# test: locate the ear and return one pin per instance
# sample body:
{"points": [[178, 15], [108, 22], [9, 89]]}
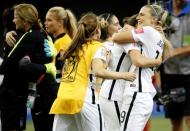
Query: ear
{"points": [[154, 21], [25, 21], [97, 33]]}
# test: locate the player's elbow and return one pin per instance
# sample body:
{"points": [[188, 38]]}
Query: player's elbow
{"points": [[99, 73]]}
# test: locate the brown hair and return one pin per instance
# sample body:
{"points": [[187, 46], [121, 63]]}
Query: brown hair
{"points": [[105, 20], [130, 20], [87, 27]]}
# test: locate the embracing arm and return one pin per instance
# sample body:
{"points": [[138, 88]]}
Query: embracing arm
{"points": [[123, 37], [99, 70], [141, 61], [10, 38]]}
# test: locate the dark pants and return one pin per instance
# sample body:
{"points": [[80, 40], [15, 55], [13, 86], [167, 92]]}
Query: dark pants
{"points": [[176, 109], [47, 92]]}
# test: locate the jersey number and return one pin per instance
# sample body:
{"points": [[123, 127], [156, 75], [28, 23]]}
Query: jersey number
{"points": [[157, 54], [122, 118]]}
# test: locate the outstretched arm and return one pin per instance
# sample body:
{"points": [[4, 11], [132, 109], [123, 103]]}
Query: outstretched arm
{"points": [[99, 70]]}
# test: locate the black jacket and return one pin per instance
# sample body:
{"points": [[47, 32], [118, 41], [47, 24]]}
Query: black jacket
{"points": [[13, 90]]}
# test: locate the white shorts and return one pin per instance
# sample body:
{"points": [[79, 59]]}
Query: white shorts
{"points": [[135, 111], [111, 113], [89, 119]]}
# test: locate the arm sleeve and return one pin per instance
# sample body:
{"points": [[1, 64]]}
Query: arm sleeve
{"points": [[100, 54], [32, 71], [16, 54], [141, 35]]}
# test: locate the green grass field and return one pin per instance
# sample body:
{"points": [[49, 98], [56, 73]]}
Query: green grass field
{"points": [[159, 124], [156, 124]]}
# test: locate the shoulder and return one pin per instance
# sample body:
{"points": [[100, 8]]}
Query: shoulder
{"points": [[95, 43], [64, 39], [35, 34], [147, 30], [92, 46]]}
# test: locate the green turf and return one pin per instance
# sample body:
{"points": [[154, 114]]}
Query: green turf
{"points": [[156, 124], [29, 126], [159, 124], [162, 124]]}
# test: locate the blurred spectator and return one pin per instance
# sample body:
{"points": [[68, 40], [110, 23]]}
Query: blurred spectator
{"points": [[8, 25], [175, 76]]}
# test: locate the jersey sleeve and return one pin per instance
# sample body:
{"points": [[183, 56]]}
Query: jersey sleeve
{"points": [[100, 54], [141, 35]]}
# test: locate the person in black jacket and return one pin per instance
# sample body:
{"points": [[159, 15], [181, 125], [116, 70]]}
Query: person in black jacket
{"points": [[14, 89]]}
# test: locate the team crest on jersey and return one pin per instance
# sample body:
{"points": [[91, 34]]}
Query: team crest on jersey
{"points": [[139, 31]]}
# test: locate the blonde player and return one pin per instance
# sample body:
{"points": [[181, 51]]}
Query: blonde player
{"points": [[138, 95], [112, 90]]}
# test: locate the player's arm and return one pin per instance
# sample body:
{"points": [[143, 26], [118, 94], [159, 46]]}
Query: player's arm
{"points": [[123, 37], [98, 68], [169, 51], [100, 71], [181, 51], [141, 61]]}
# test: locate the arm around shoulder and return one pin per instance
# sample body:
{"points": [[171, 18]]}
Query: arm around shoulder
{"points": [[123, 37]]}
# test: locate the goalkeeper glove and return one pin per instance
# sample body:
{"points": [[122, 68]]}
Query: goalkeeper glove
{"points": [[49, 48], [51, 69]]}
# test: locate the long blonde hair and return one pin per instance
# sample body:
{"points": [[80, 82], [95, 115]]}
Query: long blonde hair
{"points": [[69, 20], [29, 13], [158, 12], [161, 16]]}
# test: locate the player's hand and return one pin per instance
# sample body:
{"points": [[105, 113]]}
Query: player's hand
{"points": [[51, 69], [129, 76], [159, 61], [126, 28], [108, 57], [10, 38], [49, 48]]}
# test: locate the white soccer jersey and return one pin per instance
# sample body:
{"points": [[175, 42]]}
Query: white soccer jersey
{"points": [[151, 47], [120, 62], [91, 94], [138, 96]]}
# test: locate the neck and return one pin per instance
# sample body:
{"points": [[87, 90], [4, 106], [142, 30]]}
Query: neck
{"points": [[109, 39], [27, 27], [58, 33]]}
